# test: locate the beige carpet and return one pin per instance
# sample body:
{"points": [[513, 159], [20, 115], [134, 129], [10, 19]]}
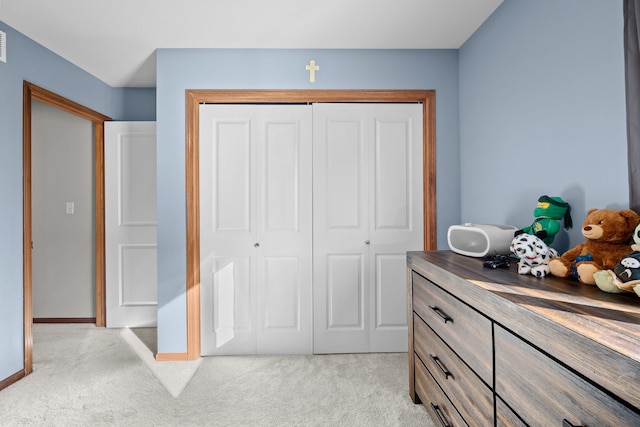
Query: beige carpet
{"points": [[174, 376], [92, 376]]}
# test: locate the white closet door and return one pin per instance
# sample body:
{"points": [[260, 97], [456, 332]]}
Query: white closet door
{"points": [[130, 224], [341, 229], [255, 229], [368, 213], [396, 217]]}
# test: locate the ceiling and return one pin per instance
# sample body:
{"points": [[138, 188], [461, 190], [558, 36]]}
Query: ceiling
{"points": [[115, 40]]}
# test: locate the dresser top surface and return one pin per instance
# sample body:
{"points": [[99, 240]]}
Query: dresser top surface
{"points": [[612, 320]]}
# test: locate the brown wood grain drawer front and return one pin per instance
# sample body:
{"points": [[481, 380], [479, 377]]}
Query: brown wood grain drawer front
{"points": [[545, 393], [465, 330], [436, 403], [472, 398], [505, 417]]}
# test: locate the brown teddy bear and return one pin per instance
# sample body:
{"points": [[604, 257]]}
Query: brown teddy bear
{"points": [[608, 233]]}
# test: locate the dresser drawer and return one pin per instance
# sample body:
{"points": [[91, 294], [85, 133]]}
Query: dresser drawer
{"points": [[505, 417], [465, 330], [434, 400], [472, 398], [545, 393]]}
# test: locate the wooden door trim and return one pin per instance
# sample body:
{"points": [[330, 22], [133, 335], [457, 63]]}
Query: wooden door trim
{"points": [[196, 97], [32, 92]]}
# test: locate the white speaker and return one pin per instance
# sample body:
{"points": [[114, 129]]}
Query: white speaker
{"points": [[479, 240]]}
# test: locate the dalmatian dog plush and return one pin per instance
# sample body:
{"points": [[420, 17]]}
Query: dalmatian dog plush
{"points": [[534, 254]]}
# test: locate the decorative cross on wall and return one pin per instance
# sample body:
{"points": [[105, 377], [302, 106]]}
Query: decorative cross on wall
{"points": [[312, 68]]}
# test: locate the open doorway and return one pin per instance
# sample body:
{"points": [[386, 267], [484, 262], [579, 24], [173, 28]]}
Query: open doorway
{"points": [[32, 93], [63, 235]]}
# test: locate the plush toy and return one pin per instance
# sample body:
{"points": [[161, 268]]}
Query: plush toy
{"points": [[608, 232], [548, 213], [636, 239], [534, 254], [625, 277]]}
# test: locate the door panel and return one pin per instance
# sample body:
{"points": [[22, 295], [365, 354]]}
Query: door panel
{"points": [[284, 230], [226, 290], [341, 229], [345, 292], [281, 178], [389, 322], [260, 157], [130, 224], [345, 305], [285, 327], [280, 293], [227, 235], [230, 159], [392, 175], [136, 163], [397, 217], [137, 275], [344, 180], [368, 174]]}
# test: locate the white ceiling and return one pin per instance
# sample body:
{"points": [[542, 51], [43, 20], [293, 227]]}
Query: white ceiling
{"points": [[116, 40]]}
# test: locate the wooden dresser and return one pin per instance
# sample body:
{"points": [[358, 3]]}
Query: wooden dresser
{"points": [[490, 347]]}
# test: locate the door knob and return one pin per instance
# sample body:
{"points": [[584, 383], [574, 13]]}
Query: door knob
{"points": [[366, 242], [257, 245]]}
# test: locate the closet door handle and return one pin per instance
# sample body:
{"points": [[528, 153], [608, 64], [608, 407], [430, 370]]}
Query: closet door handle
{"points": [[440, 415], [442, 314], [441, 366]]}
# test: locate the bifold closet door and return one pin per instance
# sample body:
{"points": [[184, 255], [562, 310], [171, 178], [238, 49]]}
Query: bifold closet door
{"points": [[368, 212], [255, 229]]}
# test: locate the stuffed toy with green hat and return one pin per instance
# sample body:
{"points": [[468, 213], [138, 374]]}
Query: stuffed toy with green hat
{"points": [[548, 213]]}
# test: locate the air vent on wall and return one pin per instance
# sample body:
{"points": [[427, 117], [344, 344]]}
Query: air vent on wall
{"points": [[3, 46]]}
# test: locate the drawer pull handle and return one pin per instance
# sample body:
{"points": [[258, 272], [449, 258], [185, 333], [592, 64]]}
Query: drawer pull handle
{"points": [[440, 415], [566, 423], [441, 366], [442, 314]]}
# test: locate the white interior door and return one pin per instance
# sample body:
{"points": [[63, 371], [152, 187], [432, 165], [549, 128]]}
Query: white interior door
{"points": [[130, 224], [368, 198], [255, 229]]}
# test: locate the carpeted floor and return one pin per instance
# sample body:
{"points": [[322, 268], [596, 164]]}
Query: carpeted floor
{"points": [[94, 376]]}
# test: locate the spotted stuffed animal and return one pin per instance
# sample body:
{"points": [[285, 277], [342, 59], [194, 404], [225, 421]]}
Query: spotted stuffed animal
{"points": [[534, 254]]}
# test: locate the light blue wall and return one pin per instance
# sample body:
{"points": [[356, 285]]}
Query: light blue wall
{"points": [[542, 111], [181, 69], [27, 60], [133, 104]]}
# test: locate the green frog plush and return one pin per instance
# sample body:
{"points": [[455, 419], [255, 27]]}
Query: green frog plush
{"points": [[548, 213]]}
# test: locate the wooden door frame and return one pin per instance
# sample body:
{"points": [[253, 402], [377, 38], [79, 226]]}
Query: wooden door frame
{"points": [[196, 97], [32, 92]]}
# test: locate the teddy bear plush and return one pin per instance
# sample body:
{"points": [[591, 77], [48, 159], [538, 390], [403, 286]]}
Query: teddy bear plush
{"points": [[625, 277], [608, 233]]}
